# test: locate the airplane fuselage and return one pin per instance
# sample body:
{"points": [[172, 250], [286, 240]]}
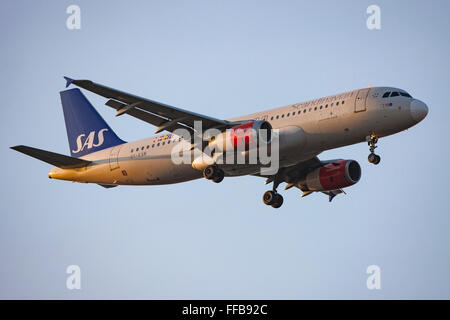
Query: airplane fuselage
{"points": [[325, 123]]}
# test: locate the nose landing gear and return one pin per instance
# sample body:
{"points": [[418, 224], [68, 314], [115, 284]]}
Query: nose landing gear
{"points": [[372, 141]]}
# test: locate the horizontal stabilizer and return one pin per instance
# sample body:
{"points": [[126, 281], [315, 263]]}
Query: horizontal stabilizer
{"points": [[56, 159]]}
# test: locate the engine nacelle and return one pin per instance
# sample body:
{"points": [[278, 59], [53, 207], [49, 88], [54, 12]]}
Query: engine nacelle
{"points": [[333, 175], [243, 136]]}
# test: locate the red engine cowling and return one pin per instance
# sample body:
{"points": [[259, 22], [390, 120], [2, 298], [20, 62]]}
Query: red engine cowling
{"points": [[334, 175], [243, 135]]}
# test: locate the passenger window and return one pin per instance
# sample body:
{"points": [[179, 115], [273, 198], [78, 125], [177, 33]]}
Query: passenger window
{"points": [[394, 94], [386, 94]]}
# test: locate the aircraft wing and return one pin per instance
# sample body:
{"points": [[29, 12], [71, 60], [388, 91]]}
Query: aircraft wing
{"points": [[163, 116], [285, 174]]}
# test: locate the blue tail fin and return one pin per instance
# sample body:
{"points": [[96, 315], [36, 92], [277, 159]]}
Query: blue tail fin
{"points": [[86, 130]]}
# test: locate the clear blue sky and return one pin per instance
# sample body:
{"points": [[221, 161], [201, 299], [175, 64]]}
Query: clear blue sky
{"points": [[201, 240]]}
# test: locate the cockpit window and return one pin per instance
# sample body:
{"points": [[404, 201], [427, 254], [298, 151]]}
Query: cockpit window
{"points": [[405, 94], [396, 94]]}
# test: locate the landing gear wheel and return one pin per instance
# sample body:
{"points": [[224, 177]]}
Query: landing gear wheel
{"points": [[374, 158], [209, 172], [213, 173], [269, 197], [377, 159], [218, 177], [278, 201]]}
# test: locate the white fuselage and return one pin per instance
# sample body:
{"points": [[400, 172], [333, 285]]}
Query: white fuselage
{"points": [[325, 123]]}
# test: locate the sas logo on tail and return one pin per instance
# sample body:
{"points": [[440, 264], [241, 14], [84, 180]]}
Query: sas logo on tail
{"points": [[89, 141]]}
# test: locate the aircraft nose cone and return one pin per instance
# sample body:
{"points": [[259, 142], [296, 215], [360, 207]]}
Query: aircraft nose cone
{"points": [[419, 110]]}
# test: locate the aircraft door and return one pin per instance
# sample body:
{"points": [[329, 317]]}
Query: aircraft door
{"points": [[360, 102], [114, 158]]}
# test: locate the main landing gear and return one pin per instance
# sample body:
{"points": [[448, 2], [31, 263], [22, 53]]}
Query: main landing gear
{"points": [[373, 158], [272, 197], [213, 173]]}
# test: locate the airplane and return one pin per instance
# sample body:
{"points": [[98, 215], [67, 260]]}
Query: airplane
{"points": [[304, 130]]}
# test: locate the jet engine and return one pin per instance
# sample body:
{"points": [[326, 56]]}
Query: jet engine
{"points": [[243, 136], [333, 175]]}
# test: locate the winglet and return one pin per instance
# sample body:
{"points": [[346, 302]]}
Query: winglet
{"points": [[331, 195], [68, 81]]}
